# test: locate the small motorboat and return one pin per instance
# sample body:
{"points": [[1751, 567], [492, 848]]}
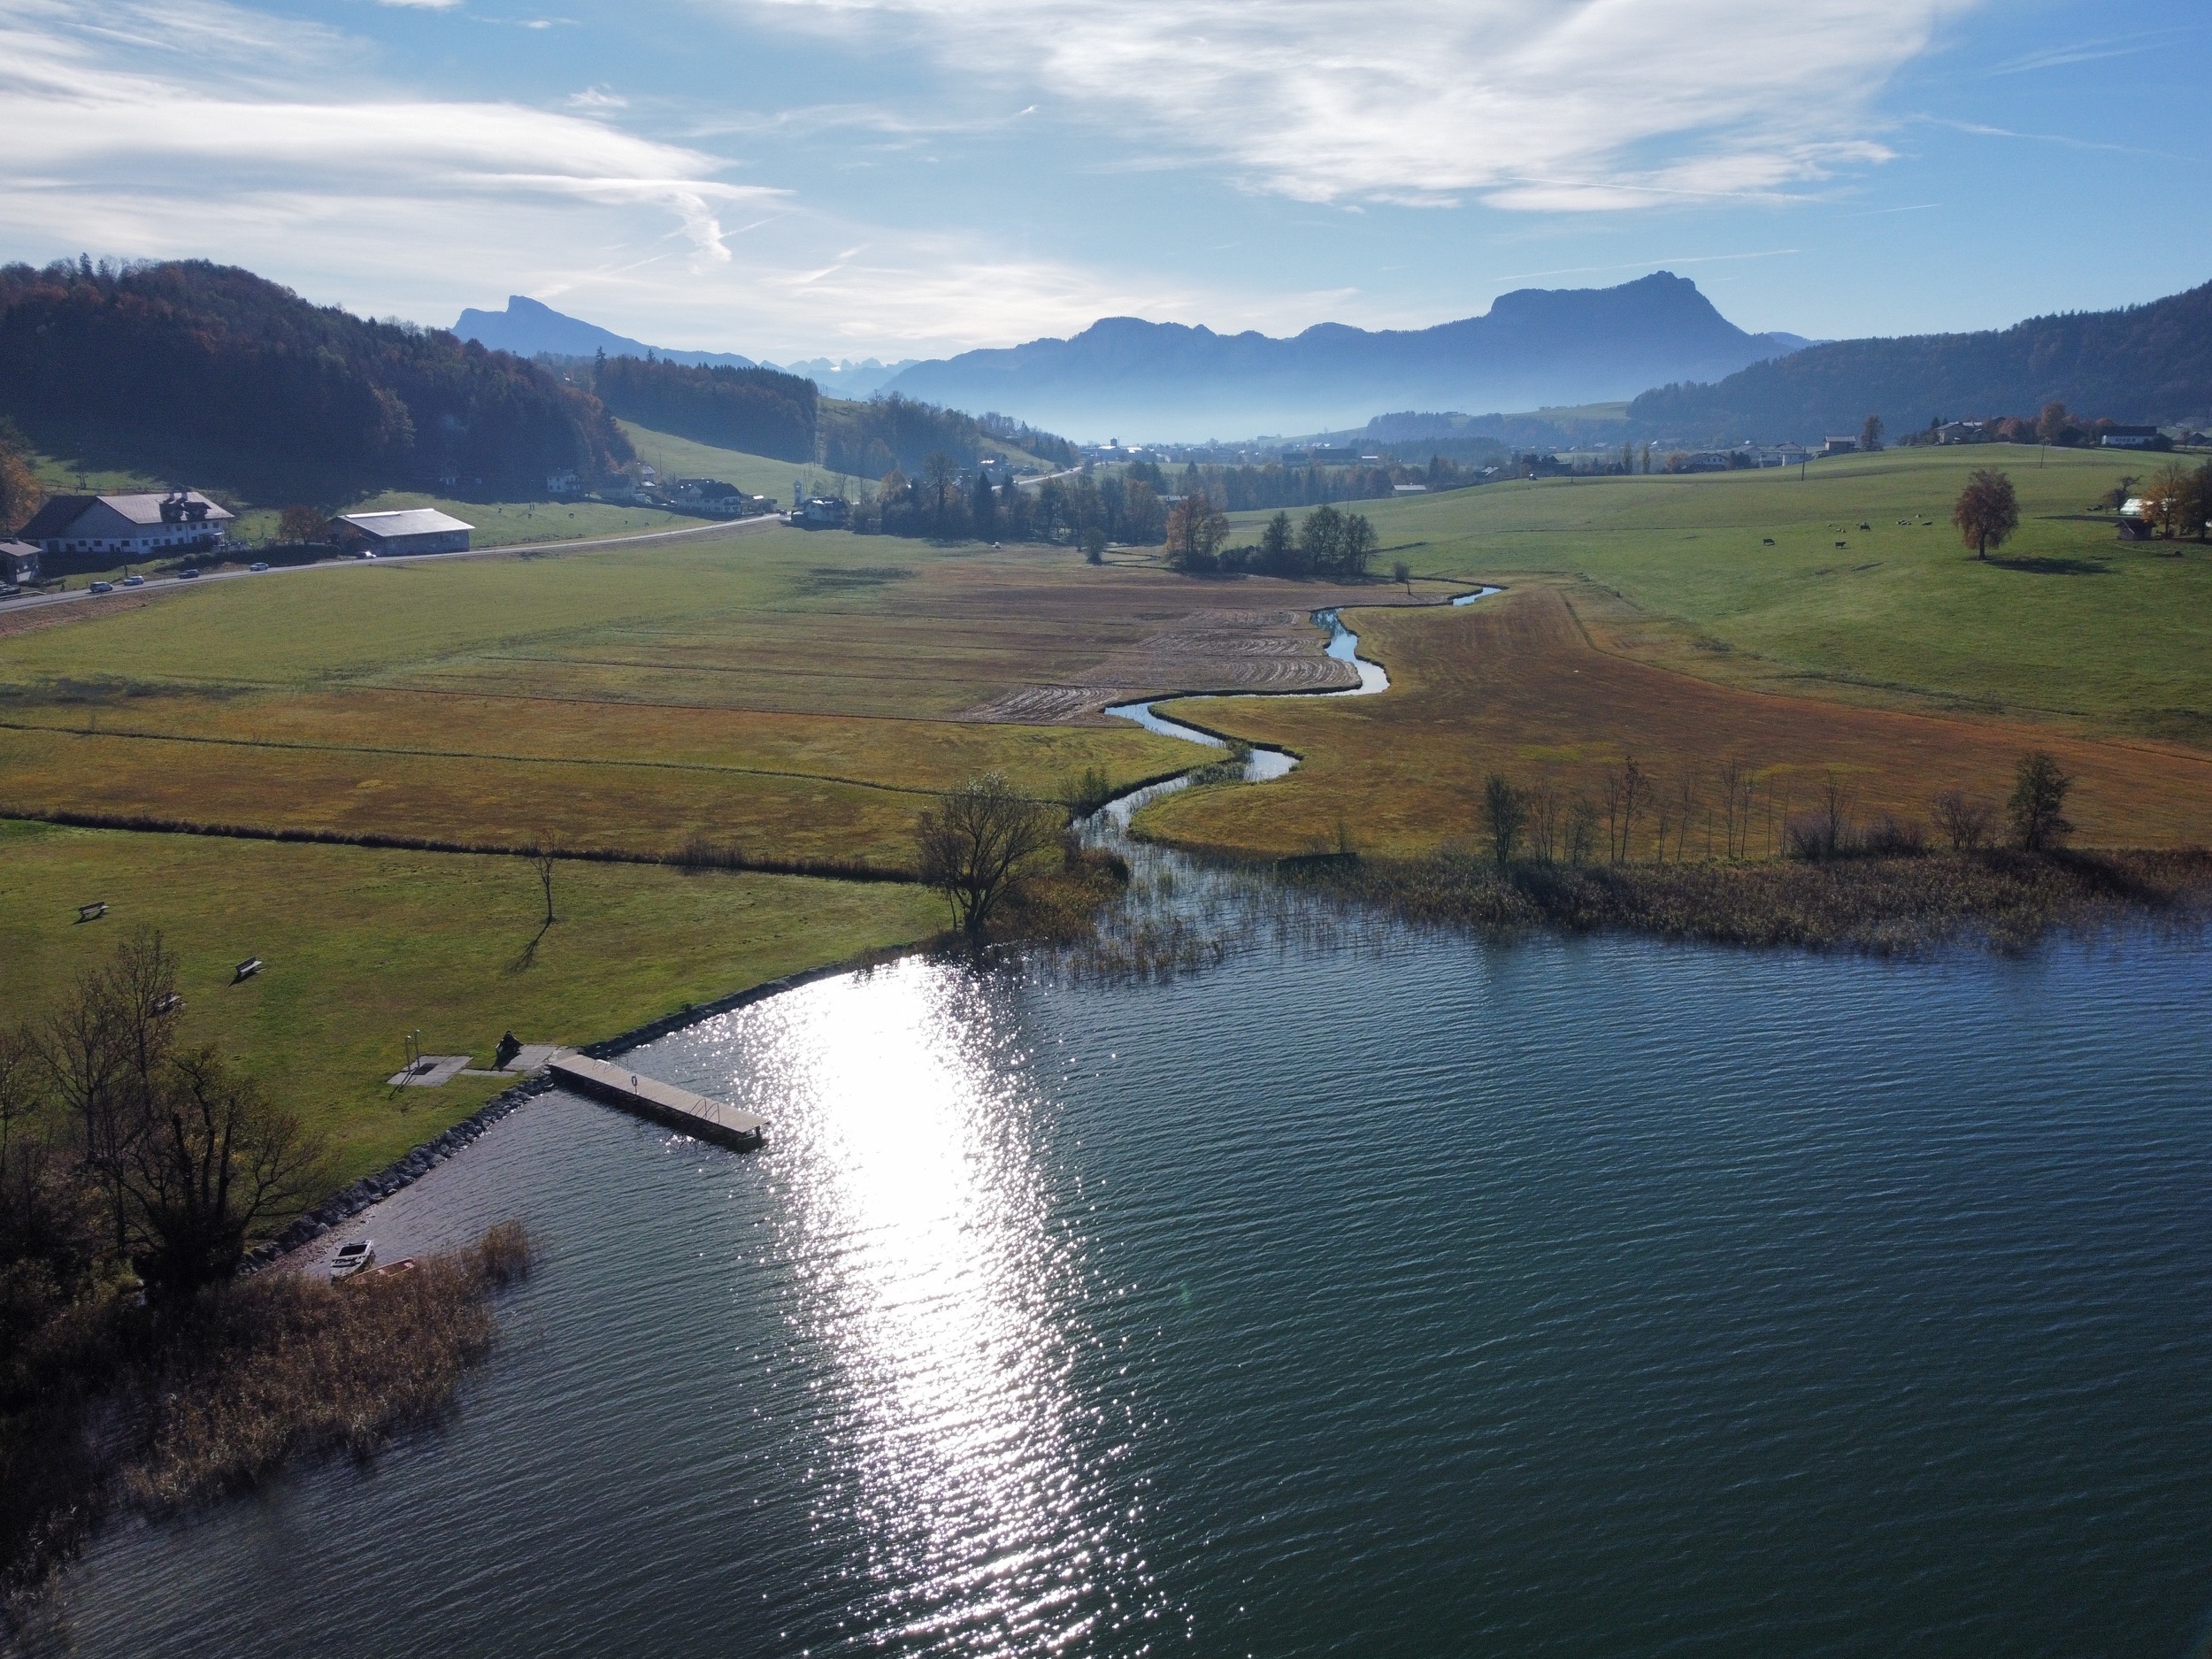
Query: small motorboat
{"points": [[351, 1258]]}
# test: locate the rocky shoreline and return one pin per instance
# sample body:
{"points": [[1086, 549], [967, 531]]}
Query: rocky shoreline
{"points": [[350, 1201]]}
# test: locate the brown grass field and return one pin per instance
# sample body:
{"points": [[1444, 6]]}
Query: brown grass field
{"points": [[1525, 684], [791, 695]]}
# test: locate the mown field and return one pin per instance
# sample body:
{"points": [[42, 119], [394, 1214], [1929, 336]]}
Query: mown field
{"points": [[2065, 623], [365, 946]]}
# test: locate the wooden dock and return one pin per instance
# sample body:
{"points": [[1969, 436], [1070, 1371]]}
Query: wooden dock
{"points": [[664, 1102]]}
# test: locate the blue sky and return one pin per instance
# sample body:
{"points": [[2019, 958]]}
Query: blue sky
{"points": [[896, 178]]}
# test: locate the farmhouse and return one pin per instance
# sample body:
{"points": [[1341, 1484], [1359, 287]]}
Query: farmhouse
{"points": [[2132, 438], [18, 561], [137, 526], [410, 530]]}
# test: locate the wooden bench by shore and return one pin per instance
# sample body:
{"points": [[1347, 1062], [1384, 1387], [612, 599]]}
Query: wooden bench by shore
{"points": [[664, 1102]]}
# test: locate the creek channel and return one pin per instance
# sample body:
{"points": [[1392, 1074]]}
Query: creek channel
{"points": [[1401, 1294]]}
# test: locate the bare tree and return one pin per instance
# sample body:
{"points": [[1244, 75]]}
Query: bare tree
{"points": [[1965, 821], [974, 841], [1505, 811], [1544, 808], [544, 859], [1731, 780], [1685, 811], [214, 1161], [104, 1048], [2038, 805], [1582, 830], [1627, 795]]}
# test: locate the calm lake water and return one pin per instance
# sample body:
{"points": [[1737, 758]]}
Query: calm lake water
{"points": [[1412, 1297]]}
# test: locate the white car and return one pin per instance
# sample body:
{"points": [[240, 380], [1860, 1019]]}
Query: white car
{"points": [[351, 1258], [134, 581]]}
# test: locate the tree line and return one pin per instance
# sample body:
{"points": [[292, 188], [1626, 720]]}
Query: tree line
{"points": [[1326, 543], [1738, 810], [939, 501], [191, 369]]}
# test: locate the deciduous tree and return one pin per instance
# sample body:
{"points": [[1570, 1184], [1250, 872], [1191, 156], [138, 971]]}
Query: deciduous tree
{"points": [[1505, 814], [973, 843], [2038, 800], [1986, 512]]}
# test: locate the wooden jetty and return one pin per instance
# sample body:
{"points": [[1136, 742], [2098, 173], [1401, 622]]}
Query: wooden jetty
{"points": [[664, 1102]]}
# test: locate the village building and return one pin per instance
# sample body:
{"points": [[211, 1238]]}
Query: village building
{"points": [[410, 530], [18, 563], [2132, 438], [132, 526]]}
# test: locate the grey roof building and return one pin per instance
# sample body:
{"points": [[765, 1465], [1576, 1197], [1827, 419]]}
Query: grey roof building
{"points": [[182, 520], [409, 530]]}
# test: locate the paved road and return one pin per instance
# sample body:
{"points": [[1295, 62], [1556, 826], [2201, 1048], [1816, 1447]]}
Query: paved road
{"points": [[170, 584]]}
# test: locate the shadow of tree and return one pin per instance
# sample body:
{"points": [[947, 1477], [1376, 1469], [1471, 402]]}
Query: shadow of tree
{"points": [[529, 955], [2036, 565]]}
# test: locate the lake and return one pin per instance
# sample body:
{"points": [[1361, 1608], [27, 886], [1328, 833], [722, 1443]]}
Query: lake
{"points": [[1399, 1295]]}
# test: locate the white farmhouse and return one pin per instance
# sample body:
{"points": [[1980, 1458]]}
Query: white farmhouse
{"points": [[130, 526]]}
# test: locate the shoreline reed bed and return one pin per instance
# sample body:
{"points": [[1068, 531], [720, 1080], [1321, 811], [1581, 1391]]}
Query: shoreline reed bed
{"points": [[2001, 899], [115, 1410]]}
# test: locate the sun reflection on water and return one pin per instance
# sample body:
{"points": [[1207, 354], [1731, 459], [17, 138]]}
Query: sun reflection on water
{"points": [[945, 1298]]}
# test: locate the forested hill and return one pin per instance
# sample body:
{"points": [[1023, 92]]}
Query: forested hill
{"points": [[210, 374], [2145, 363], [765, 412]]}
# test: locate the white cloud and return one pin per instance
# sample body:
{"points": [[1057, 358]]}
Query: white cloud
{"points": [[1596, 103], [398, 204]]}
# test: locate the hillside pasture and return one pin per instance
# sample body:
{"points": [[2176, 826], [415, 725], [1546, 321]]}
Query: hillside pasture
{"points": [[2066, 624]]}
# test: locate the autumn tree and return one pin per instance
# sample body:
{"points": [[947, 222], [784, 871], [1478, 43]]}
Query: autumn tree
{"points": [[2168, 498], [1987, 510], [2053, 424], [20, 492], [973, 843], [302, 523]]}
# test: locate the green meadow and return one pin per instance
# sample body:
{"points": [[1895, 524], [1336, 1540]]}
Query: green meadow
{"points": [[2064, 623]]}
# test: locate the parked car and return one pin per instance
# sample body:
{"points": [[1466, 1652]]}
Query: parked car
{"points": [[258, 565], [368, 552], [351, 1258], [134, 581], [101, 588], [190, 573]]}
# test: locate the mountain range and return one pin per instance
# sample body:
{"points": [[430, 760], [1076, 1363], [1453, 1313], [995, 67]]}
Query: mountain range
{"points": [[2143, 364], [1533, 347], [530, 328]]}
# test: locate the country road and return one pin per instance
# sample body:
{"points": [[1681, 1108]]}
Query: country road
{"points": [[171, 584]]}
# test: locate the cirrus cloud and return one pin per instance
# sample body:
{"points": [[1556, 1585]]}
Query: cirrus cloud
{"points": [[1596, 105]]}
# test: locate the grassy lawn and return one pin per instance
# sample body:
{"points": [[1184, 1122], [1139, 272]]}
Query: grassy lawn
{"points": [[1519, 684], [2066, 623], [365, 946], [756, 474]]}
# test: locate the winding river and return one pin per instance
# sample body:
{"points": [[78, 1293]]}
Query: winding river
{"points": [[1381, 1292]]}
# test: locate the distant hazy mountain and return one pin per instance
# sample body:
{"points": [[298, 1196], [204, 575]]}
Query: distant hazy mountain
{"points": [[1124, 377], [526, 327], [2145, 364], [844, 378]]}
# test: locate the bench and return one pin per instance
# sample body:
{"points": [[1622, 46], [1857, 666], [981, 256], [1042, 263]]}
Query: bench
{"points": [[92, 912], [247, 969]]}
